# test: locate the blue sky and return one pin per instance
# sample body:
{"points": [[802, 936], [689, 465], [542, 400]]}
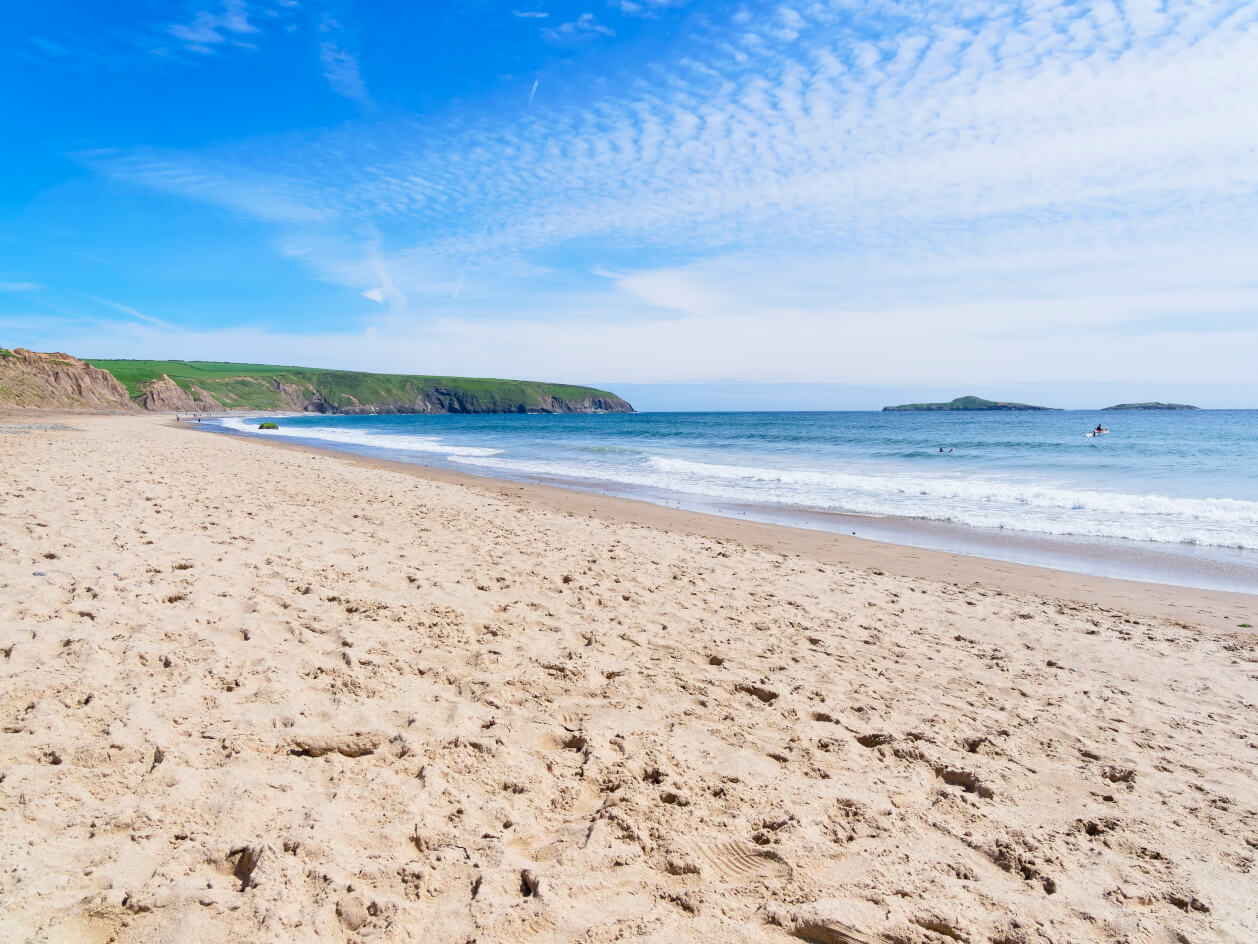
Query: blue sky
{"points": [[890, 196]]}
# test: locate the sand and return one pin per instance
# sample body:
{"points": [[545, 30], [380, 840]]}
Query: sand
{"points": [[261, 694]]}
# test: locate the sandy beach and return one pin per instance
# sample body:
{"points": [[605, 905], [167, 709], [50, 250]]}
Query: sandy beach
{"points": [[254, 693]]}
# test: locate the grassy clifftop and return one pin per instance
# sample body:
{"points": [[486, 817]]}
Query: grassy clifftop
{"points": [[218, 385]]}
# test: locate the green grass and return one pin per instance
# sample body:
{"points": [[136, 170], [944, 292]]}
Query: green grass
{"points": [[965, 403], [1152, 406], [134, 375], [252, 386]]}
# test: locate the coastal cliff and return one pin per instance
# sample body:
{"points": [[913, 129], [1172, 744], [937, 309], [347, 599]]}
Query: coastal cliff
{"points": [[317, 395], [57, 381], [166, 396], [60, 381]]}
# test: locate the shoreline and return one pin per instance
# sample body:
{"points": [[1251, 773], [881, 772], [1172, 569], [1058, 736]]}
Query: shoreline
{"points": [[1205, 565], [1219, 609]]}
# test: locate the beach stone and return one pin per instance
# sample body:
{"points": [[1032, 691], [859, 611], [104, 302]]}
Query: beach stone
{"points": [[348, 745]]}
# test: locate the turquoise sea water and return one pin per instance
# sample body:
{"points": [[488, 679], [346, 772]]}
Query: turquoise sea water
{"points": [[1166, 495]]}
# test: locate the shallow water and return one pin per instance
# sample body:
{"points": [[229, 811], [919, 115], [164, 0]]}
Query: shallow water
{"points": [[1176, 485]]}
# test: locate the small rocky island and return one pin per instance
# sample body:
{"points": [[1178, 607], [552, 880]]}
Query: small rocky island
{"points": [[1152, 406], [963, 403]]}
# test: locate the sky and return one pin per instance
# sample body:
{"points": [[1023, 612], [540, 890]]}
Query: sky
{"points": [[844, 203]]}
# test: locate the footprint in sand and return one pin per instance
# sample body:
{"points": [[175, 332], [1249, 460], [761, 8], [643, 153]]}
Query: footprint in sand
{"points": [[736, 863], [766, 695], [568, 741]]}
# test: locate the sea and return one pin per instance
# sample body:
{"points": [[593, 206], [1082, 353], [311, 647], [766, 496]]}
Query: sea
{"points": [[1170, 497]]}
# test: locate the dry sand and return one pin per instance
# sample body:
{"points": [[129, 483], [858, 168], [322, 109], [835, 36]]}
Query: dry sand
{"points": [[254, 694]]}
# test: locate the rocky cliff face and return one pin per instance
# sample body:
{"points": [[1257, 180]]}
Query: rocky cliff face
{"points": [[608, 404], [305, 398], [57, 382], [166, 396], [449, 401]]}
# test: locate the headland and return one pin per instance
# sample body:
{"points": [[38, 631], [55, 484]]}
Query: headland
{"points": [[29, 379]]}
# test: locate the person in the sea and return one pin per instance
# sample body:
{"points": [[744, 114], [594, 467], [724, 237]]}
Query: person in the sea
{"points": [[1099, 428]]}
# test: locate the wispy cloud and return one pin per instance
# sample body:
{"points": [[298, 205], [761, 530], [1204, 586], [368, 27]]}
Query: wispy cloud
{"points": [[821, 165], [811, 138], [19, 286], [133, 313], [50, 47], [643, 7], [196, 37], [583, 27], [340, 66], [386, 290], [253, 193], [210, 28]]}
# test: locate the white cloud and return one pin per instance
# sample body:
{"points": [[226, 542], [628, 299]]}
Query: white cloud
{"points": [[584, 26], [251, 193], [19, 286], [201, 34], [340, 68], [643, 7], [790, 23], [208, 29], [128, 310], [999, 172]]}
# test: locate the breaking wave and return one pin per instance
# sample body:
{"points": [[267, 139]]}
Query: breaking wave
{"points": [[973, 501], [390, 442]]}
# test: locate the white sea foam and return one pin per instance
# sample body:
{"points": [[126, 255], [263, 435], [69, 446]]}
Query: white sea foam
{"points": [[974, 501], [1011, 502], [394, 442], [971, 489]]}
